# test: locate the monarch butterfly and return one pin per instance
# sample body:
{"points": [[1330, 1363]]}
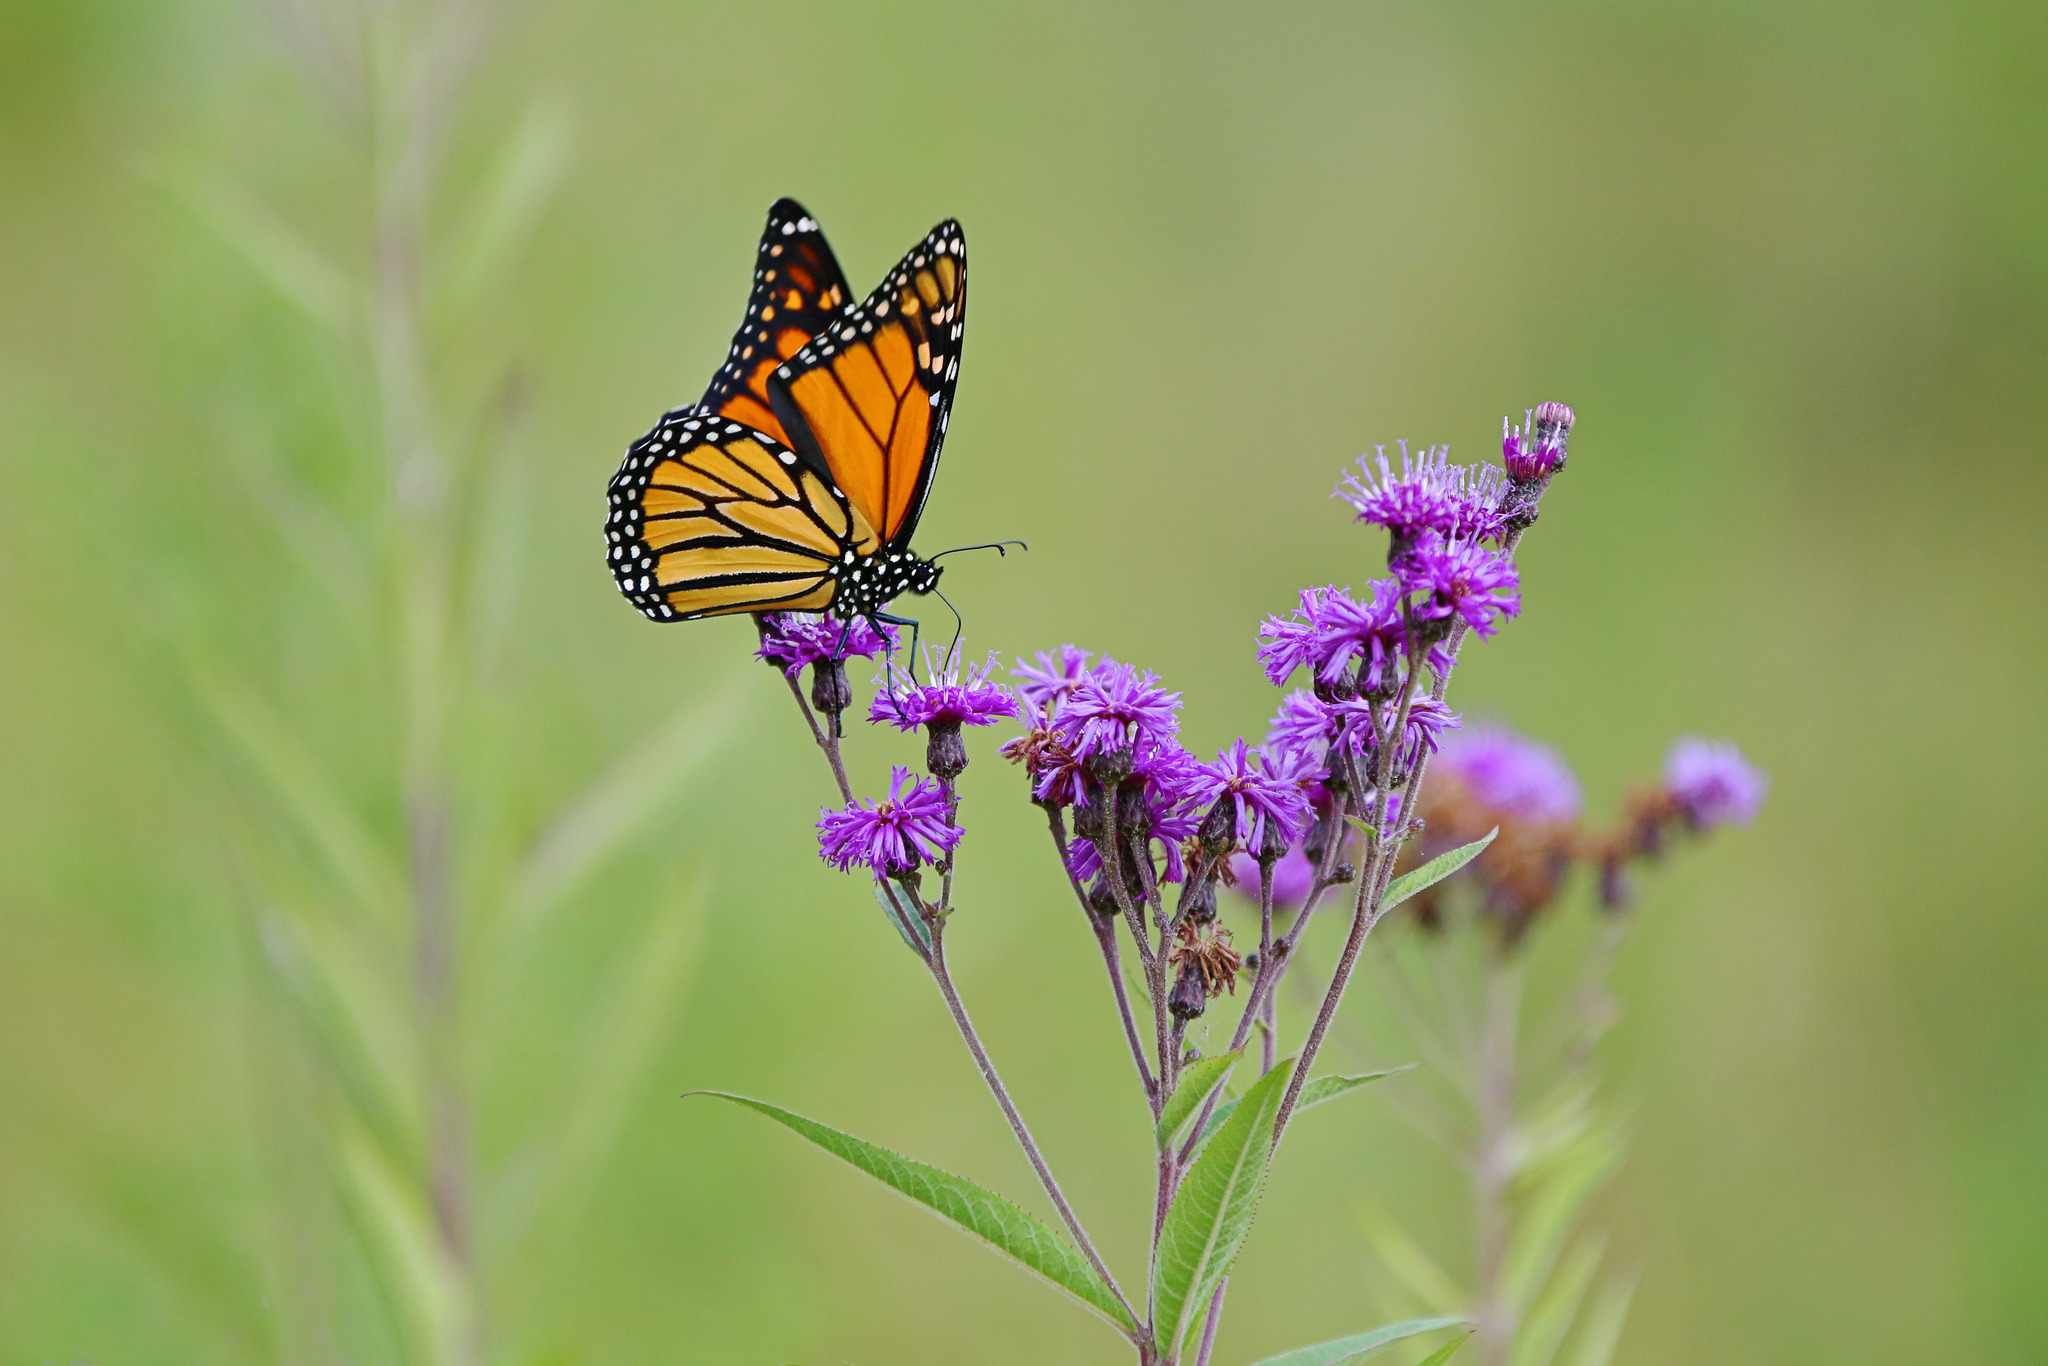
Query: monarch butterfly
{"points": [[796, 482]]}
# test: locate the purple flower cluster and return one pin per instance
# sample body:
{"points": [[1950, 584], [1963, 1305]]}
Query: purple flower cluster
{"points": [[790, 640], [1513, 774], [1045, 684], [1536, 449], [1116, 710], [955, 697], [1430, 494], [1712, 784], [1459, 578], [1263, 803], [908, 828]]}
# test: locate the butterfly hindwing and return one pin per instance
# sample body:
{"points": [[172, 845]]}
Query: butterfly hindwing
{"points": [[869, 397], [798, 291], [709, 517]]}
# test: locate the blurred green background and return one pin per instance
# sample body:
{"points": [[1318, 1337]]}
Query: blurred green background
{"points": [[1789, 261]]}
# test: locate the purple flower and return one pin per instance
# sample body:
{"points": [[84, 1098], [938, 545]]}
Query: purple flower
{"points": [[1513, 774], [1713, 784], [1428, 719], [1259, 798], [955, 697], [1461, 578], [1290, 642], [1374, 633], [794, 639], [907, 828], [1429, 494], [1302, 726], [1116, 708], [1054, 677], [1293, 875], [1536, 448]]}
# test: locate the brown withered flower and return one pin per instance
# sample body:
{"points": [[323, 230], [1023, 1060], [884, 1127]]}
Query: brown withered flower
{"points": [[1206, 949]]}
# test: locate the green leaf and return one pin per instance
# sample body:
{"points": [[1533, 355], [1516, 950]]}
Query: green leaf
{"points": [[1599, 1328], [1413, 1267], [1443, 1353], [1435, 871], [983, 1213], [625, 801], [1317, 1092], [904, 917], [1213, 1212], [1540, 1334], [1195, 1085], [1361, 1345]]}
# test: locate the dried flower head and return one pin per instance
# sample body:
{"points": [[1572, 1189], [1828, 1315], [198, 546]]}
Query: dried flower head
{"points": [[1205, 950]]}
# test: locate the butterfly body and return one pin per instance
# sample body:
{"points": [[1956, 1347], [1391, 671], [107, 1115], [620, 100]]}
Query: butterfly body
{"points": [[797, 481]]}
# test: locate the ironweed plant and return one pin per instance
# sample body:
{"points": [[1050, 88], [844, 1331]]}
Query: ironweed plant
{"points": [[1526, 1118], [1338, 798]]}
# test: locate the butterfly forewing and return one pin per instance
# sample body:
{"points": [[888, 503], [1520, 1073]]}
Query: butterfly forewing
{"points": [[798, 291], [869, 397], [710, 516]]}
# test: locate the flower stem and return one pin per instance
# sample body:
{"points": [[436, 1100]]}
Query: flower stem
{"points": [[944, 977], [1112, 961], [827, 743], [1493, 1163]]}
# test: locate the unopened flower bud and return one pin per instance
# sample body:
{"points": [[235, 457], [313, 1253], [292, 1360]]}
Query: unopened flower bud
{"points": [[1218, 830], [945, 752], [830, 692], [1091, 822], [1101, 898], [1189, 998], [1110, 767], [1198, 900], [1133, 817]]}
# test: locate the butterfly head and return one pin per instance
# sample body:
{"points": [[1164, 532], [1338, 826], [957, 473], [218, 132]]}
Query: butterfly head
{"points": [[921, 577]]}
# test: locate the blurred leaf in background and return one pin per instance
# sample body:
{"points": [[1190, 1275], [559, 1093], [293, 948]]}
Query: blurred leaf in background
{"points": [[1786, 261]]}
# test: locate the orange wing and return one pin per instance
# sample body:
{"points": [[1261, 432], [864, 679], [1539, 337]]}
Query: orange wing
{"points": [[867, 401], [710, 517], [798, 291]]}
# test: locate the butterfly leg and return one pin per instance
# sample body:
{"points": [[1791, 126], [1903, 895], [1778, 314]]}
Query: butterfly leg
{"points": [[880, 618]]}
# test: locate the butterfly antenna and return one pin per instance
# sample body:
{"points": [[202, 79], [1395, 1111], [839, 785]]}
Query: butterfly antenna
{"points": [[996, 546], [958, 624]]}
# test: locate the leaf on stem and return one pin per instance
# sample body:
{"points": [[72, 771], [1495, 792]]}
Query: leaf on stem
{"points": [[1443, 1353], [1195, 1085], [1318, 1092], [1435, 871], [1599, 1328], [903, 915], [624, 801], [988, 1216], [1359, 1346], [1213, 1212]]}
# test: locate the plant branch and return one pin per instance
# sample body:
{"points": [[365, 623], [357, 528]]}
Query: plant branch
{"points": [[1104, 930], [944, 978]]}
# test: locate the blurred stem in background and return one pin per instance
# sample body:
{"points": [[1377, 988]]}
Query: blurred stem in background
{"points": [[399, 904], [1536, 1137]]}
